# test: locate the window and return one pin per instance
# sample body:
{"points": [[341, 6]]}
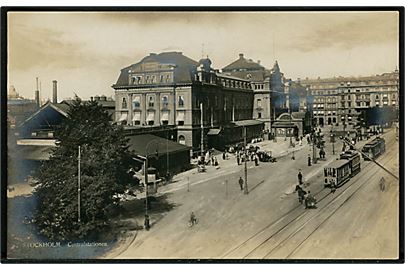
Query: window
{"points": [[349, 104], [153, 78], [180, 123], [124, 103], [349, 97], [136, 102], [259, 103], [367, 103], [151, 101], [137, 123], [182, 139], [147, 79], [181, 101], [165, 101], [161, 78], [259, 115], [377, 97], [168, 78]]}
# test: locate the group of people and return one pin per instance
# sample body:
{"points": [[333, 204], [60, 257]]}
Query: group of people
{"points": [[250, 156]]}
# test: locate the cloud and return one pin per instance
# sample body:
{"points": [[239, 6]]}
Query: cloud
{"points": [[361, 30]]}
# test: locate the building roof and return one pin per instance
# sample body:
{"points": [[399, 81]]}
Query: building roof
{"points": [[298, 115], [139, 143], [243, 63], [34, 152], [283, 125], [337, 163], [184, 66], [243, 123], [103, 103]]}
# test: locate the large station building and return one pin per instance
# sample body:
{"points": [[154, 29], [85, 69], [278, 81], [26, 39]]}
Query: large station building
{"points": [[169, 90]]}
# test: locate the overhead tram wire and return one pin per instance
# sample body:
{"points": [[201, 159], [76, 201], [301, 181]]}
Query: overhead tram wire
{"points": [[347, 141]]}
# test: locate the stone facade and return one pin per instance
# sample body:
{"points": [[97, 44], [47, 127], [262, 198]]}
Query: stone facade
{"points": [[169, 88], [337, 101]]}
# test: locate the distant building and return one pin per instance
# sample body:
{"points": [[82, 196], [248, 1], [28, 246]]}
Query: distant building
{"points": [[18, 108], [259, 78], [170, 90], [339, 100]]}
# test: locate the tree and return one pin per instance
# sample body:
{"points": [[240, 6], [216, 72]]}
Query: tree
{"points": [[105, 160]]}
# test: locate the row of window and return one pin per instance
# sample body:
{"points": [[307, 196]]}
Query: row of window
{"points": [[333, 92], [235, 84], [150, 79], [136, 102]]}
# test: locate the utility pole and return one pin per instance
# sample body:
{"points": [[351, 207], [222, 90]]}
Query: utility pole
{"points": [[145, 171], [202, 129], [78, 188], [246, 180], [314, 148]]}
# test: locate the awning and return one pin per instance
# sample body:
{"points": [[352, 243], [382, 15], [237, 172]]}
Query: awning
{"points": [[214, 131], [180, 116], [124, 117], [137, 116], [151, 116], [165, 116]]}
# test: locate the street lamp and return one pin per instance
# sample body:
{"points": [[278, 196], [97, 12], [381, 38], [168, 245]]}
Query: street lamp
{"points": [[146, 182]]}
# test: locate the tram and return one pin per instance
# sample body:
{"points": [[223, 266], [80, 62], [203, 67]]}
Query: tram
{"points": [[341, 170], [374, 149]]}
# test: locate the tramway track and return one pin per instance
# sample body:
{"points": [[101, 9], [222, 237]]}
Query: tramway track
{"points": [[300, 215]]}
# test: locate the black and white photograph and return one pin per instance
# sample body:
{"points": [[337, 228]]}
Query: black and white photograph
{"points": [[236, 134]]}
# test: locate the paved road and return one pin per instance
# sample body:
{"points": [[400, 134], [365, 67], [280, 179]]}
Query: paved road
{"points": [[226, 216]]}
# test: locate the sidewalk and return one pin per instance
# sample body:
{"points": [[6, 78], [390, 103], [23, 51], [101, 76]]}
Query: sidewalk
{"points": [[193, 177]]}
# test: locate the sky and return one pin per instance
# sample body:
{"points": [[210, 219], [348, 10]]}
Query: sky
{"points": [[85, 51]]}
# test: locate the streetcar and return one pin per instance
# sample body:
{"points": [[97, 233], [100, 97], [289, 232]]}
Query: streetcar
{"points": [[341, 170], [373, 149]]}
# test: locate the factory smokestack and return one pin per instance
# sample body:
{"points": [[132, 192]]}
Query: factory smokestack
{"points": [[55, 92], [37, 95]]}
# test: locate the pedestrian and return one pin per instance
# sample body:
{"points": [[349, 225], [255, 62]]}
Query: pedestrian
{"points": [[300, 182], [256, 160], [223, 156], [308, 140], [212, 160], [241, 183], [309, 160], [238, 159], [215, 161], [147, 224]]}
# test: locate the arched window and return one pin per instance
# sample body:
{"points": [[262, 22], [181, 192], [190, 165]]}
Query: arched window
{"points": [[181, 101], [165, 101], [151, 101], [124, 103], [136, 102], [182, 139]]}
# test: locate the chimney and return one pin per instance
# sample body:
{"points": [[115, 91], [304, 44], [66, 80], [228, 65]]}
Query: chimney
{"points": [[55, 92], [241, 56], [37, 95]]}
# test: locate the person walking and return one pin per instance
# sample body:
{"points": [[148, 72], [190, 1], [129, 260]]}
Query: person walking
{"points": [[238, 159], [223, 155], [256, 160], [215, 161], [147, 223], [241, 183], [300, 182]]}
